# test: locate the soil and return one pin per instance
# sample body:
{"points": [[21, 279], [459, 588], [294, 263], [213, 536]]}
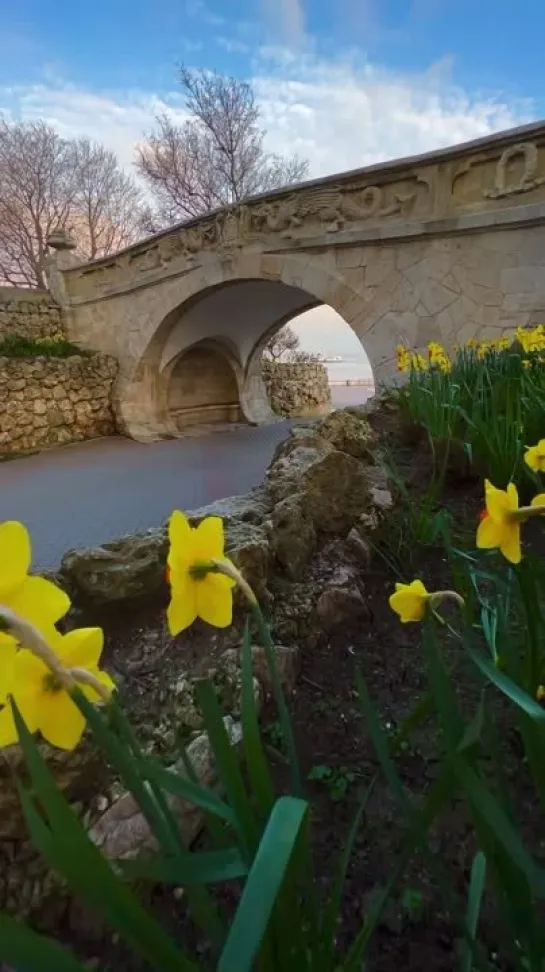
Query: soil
{"points": [[417, 930]]}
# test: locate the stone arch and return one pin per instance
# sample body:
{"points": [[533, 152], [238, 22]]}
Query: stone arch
{"points": [[177, 321], [202, 387]]}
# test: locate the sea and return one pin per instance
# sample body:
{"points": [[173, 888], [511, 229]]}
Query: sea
{"points": [[349, 370]]}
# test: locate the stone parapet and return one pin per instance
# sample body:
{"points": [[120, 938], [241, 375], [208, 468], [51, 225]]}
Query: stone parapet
{"points": [[29, 313], [297, 388]]}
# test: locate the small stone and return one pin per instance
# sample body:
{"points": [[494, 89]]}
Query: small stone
{"points": [[341, 608]]}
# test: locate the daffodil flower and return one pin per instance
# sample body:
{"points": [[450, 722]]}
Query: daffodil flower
{"points": [[409, 601], [35, 599], [534, 457], [43, 695], [198, 588], [500, 526]]}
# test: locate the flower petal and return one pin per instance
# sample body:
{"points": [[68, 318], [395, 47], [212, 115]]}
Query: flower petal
{"points": [[532, 458], [182, 610], [179, 531], [80, 648], [59, 720], [538, 500], [40, 601], [489, 534], [14, 556], [215, 600], [512, 496], [8, 732], [209, 539], [497, 502], [8, 653], [510, 545]]}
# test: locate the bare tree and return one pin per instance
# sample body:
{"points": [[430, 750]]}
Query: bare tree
{"points": [[47, 182], [285, 345], [107, 202], [217, 157]]}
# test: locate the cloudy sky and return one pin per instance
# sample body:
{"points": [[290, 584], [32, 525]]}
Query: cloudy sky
{"points": [[342, 82]]}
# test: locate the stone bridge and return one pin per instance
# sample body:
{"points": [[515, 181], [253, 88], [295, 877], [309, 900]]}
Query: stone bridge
{"points": [[442, 246]]}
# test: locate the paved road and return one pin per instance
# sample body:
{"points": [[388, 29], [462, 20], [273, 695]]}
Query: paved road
{"points": [[90, 492]]}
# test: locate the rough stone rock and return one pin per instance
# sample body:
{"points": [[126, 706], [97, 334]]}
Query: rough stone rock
{"points": [[251, 507], [347, 432], [124, 569], [335, 492], [248, 547], [341, 607], [292, 535], [123, 832], [285, 472], [287, 662]]}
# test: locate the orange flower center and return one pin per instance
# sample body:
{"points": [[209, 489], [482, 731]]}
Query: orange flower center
{"points": [[483, 515]]}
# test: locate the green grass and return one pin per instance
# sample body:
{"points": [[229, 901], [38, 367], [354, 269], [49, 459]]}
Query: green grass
{"points": [[18, 346]]}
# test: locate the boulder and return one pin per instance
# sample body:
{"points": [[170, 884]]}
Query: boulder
{"points": [[251, 507], [334, 492], [285, 471], [248, 547], [120, 570], [347, 432], [292, 535], [341, 608]]}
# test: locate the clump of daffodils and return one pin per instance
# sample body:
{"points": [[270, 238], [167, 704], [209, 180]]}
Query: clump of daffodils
{"points": [[39, 667]]}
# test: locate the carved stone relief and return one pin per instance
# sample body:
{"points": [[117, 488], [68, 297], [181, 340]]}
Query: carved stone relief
{"points": [[525, 152], [519, 169]]}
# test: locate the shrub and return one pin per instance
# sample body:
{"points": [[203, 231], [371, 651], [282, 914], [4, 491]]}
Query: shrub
{"points": [[18, 346]]}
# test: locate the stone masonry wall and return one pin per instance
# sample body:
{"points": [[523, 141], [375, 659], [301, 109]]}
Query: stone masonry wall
{"points": [[29, 313], [297, 389], [51, 401]]}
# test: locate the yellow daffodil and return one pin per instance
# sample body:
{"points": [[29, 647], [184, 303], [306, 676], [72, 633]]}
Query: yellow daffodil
{"points": [[198, 590], [409, 601], [499, 528], [418, 362], [35, 599], [534, 457], [403, 358], [41, 696]]}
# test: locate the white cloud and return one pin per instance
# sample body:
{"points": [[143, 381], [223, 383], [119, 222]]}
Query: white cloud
{"points": [[287, 18], [338, 114]]}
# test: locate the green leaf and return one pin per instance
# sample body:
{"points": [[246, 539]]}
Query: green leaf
{"points": [[68, 849], [186, 789], [474, 901], [263, 885], [280, 699], [506, 685], [205, 867], [473, 731], [26, 951], [228, 767], [257, 766], [489, 810]]}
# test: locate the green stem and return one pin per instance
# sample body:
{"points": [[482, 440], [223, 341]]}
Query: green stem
{"points": [[279, 696]]}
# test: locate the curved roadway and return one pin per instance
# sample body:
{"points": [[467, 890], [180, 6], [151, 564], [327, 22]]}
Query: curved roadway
{"points": [[90, 492]]}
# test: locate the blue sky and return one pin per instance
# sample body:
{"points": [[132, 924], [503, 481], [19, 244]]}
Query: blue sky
{"points": [[342, 82]]}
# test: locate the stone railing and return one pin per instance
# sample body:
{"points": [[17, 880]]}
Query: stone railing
{"points": [[51, 401], [297, 388], [29, 313]]}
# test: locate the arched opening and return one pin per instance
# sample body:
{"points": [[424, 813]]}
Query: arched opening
{"points": [[233, 308], [202, 389]]}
